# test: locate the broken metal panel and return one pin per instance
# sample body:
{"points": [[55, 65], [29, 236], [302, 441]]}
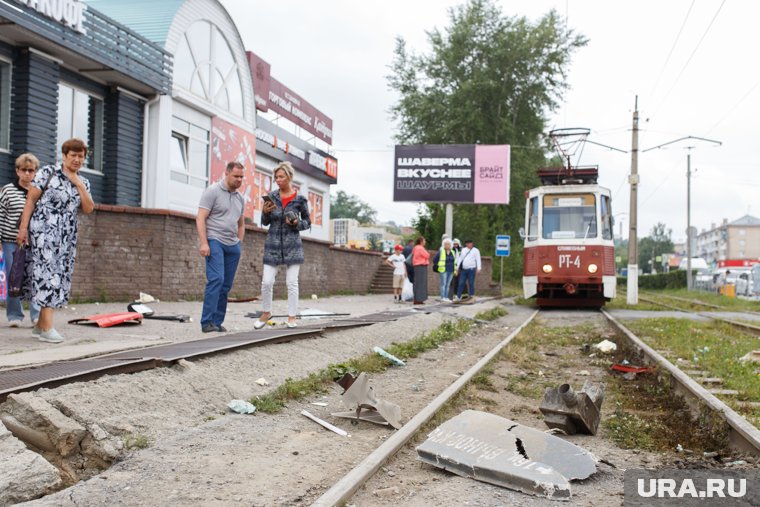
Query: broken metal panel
{"points": [[361, 397], [573, 412], [499, 451]]}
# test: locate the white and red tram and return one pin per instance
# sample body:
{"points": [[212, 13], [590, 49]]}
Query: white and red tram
{"points": [[569, 256]]}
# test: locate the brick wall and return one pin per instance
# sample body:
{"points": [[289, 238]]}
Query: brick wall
{"points": [[483, 284], [124, 250]]}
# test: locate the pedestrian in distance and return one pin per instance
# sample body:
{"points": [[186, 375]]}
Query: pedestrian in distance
{"points": [[12, 200], [420, 262], [468, 265], [407, 252], [221, 229], [49, 226], [444, 263], [286, 212], [456, 246], [396, 261]]}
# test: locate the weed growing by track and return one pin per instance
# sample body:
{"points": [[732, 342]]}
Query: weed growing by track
{"points": [[492, 314], [715, 348], [320, 382]]}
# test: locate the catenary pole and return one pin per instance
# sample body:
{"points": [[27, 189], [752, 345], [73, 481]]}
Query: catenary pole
{"points": [[633, 179]]}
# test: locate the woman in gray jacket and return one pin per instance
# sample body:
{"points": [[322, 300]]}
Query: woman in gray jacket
{"points": [[286, 212]]}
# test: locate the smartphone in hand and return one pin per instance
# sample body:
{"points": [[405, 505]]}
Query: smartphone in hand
{"points": [[266, 198]]}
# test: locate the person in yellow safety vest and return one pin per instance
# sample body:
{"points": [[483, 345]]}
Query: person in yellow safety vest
{"points": [[443, 264]]}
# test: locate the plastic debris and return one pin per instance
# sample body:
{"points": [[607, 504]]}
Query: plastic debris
{"points": [[606, 346], [146, 298], [583, 373], [262, 382], [360, 397], [390, 357], [751, 356], [326, 424], [241, 407], [319, 403], [314, 297]]}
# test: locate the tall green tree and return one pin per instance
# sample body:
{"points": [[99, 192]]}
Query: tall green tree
{"points": [[343, 205], [656, 244], [489, 79]]}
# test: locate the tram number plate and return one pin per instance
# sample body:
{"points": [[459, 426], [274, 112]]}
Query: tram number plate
{"points": [[567, 260]]}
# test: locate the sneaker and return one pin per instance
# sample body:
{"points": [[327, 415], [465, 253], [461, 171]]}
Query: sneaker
{"points": [[259, 324], [291, 324], [221, 329], [50, 336], [209, 328], [456, 299], [14, 323], [445, 300]]}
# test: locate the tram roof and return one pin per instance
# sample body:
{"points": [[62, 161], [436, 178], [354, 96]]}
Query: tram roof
{"points": [[568, 176]]}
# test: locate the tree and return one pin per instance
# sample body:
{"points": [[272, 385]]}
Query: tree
{"points": [[656, 244], [487, 79], [343, 205]]}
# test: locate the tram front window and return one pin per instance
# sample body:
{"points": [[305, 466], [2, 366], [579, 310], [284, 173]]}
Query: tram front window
{"points": [[569, 216]]}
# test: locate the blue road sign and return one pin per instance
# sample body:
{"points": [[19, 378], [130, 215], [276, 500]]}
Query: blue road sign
{"points": [[502, 246]]}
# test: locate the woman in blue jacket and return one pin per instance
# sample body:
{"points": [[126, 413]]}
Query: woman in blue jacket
{"points": [[286, 212]]}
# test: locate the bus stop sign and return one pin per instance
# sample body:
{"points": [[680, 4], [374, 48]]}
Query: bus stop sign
{"points": [[502, 246]]}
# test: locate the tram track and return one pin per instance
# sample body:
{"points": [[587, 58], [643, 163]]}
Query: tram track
{"points": [[742, 437]]}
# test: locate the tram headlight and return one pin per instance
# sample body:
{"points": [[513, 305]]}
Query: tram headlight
{"points": [[592, 268], [547, 268]]}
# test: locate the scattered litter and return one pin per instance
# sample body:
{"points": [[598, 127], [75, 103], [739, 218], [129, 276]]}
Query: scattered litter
{"points": [[712, 454], [241, 407], [325, 423], [573, 412], [184, 363], [314, 297], [390, 357], [583, 373], [625, 362], [110, 319], [606, 346], [319, 403], [751, 356], [540, 373], [679, 448], [529, 460], [630, 372], [360, 397], [736, 463], [148, 313], [306, 313], [146, 298], [262, 382]]}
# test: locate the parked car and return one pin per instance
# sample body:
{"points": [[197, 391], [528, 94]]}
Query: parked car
{"points": [[703, 280], [739, 278], [755, 279], [743, 283]]}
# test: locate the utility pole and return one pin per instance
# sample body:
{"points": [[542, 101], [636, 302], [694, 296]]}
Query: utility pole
{"points": [[689, 281], [633, 180]]}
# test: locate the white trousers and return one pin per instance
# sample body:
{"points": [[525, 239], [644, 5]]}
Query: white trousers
{"points": [[291, 281]]}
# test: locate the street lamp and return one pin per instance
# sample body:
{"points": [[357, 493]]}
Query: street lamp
{"points": [[689, 282]]}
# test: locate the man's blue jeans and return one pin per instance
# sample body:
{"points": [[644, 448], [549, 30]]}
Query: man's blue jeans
{"points": [[14, 308], [466, 276], [446, 277], [221, 265]]}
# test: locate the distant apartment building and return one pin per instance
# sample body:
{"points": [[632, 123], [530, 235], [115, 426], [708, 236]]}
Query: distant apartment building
{"points": [[737, 240], [348, 232]]}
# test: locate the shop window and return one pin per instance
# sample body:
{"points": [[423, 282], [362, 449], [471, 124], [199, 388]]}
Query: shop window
{"points": [[81, 115], [205, 66], [188, 153], [5, 104], [315, 207]]}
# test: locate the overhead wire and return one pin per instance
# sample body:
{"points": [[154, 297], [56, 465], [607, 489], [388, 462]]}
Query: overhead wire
{"points": [[672, 48], [696, 48]]}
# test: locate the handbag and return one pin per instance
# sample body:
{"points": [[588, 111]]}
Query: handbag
{"points": [[16, 276]]}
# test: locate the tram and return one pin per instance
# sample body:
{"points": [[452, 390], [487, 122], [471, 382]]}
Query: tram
{"points": [[569, 251]]}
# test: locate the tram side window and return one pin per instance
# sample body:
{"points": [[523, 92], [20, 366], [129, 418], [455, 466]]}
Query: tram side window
{"points": [[533, 219], [569, 216], [606, 218]]}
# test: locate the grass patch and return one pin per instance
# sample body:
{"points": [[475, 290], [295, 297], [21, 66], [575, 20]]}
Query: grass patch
{"points": [[482, 380], [318, 383], [136, 441], [492, 314], [713, 347], [528, 386]]}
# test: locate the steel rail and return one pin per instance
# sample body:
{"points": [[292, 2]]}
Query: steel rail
{"points": [[742, 325], [742, 435], [348, 485]]}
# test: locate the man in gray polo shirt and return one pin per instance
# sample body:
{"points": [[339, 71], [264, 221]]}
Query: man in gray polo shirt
{"points": [[220, 232]]}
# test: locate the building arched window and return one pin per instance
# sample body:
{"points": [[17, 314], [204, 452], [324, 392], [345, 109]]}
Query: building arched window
{"points": [[205, 66]]}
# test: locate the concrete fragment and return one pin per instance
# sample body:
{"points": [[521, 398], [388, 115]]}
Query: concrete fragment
{"points": [[573, 412], [24, 474], [499, 451]]}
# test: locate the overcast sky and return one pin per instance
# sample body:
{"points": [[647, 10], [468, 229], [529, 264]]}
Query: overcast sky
{"points": [[693, 65]]}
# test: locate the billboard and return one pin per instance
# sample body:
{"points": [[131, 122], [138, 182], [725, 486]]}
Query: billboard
{"points": [[230, 143], [466, 173]]}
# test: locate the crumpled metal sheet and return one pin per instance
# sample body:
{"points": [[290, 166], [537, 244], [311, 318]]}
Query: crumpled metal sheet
{"points": [[496, 450], [360, 396]]}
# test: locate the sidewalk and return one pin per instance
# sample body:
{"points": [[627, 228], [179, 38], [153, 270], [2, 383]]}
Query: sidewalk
{"points": [[18, 347]]}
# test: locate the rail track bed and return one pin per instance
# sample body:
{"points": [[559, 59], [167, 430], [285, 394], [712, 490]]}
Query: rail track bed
{"points": [[285, 459]]}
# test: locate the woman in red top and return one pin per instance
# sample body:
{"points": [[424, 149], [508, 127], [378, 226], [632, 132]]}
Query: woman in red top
{"points": [[420, 262]]}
